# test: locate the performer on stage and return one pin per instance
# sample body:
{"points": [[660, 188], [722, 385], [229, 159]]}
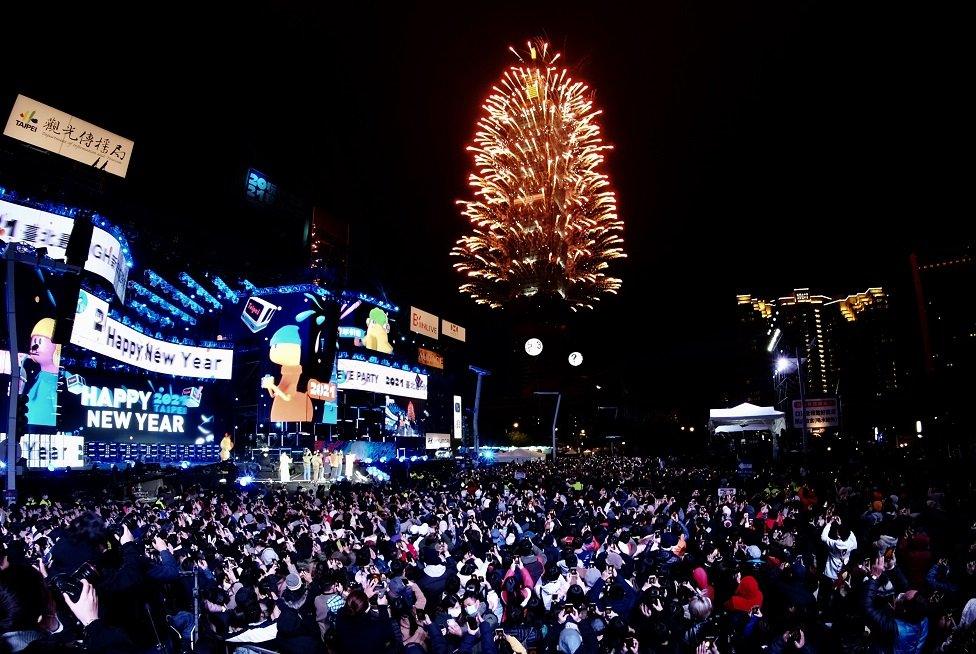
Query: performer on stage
{"points": [[285, 466], [226, 445], [307, 465], [335, 462], [317, 467], [350, 461]]}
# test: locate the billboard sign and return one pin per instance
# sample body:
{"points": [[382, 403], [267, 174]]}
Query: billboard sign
{"points": [[458, 418], [430, 358], [95, 331], [454, 331], [53, 130], [258, 188], [363, 376], [423, 323], [42, 229], [436, 441], [820, 413]]}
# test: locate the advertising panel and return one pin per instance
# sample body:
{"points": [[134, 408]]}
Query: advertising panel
{"points": [[437, 441], [430, 358], [423, 323], [363, 376], [452, 330], [458, 418], [820, 413], [53, 130], [20, 224], [127, 408], [95, 331]]}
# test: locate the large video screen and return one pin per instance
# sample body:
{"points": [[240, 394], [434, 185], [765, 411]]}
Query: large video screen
{"points": [[404, 417], [105, 407], [291, 331], [38, 356], [363, 326]]}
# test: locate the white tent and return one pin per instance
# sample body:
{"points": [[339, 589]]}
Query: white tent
{"points": [[518, 454], [748, 417]]}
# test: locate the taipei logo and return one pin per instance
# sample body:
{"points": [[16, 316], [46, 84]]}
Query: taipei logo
{"points": [[27, 121]]}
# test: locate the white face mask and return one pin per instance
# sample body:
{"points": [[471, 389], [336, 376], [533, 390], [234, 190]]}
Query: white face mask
{"points": [[454, 612], [471, 610]]}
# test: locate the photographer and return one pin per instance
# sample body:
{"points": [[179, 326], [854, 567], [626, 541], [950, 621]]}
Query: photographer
{"points": [[23, 607], [113, 564]]}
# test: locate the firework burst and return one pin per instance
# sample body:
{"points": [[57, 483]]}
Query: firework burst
{"points": [[543, 218]]}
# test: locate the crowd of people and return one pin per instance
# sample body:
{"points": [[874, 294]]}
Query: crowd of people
{"points": [[584, 556]]}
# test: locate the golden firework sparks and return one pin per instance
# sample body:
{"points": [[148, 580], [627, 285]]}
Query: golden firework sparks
{"points": [[543, 216]]}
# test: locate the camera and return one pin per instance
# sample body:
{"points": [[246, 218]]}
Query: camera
{"points": [[71, 583], [129, 521]]}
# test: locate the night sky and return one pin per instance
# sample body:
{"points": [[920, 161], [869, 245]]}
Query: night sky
{"points": [[759, 146]]}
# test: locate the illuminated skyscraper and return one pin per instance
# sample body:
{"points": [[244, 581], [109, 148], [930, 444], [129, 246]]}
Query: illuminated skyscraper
{"points": [[843, 344]]}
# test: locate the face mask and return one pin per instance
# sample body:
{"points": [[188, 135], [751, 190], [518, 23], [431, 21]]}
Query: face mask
{"points": [[454, 613], [471, 610]]}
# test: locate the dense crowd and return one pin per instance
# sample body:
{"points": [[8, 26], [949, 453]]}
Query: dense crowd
{"points": [[594, 555]]}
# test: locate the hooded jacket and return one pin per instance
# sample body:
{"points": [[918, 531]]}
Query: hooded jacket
{"points": [[747, 595], [700, 577], [838, 551]]}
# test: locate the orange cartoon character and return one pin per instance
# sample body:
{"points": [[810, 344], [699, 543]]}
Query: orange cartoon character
{"points": [[289, 404]]}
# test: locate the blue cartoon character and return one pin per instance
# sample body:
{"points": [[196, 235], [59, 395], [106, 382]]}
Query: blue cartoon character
{"points": [[289, 404]]}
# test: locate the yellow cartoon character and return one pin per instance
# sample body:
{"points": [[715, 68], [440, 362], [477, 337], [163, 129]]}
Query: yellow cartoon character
{"points": [[378, 331], [289, 405], [226, 445]]}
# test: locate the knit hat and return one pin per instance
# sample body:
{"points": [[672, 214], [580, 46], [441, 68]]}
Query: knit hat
{"points": [[591, 576], [753, 552], [293, 582]]}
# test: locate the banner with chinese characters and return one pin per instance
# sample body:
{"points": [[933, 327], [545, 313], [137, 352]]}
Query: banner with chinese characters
{"points": [[42, 229], [820, 413], [430, 358], [458, 418], [456, 332], [37, 124], [363, 376]]}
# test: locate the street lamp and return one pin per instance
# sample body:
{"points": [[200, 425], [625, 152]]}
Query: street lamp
{"points": [[482, 373], [514, 425], [555, 416], [783, 364]]}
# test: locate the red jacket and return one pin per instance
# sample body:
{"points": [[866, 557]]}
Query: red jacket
{"points": [[747, 595]]}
